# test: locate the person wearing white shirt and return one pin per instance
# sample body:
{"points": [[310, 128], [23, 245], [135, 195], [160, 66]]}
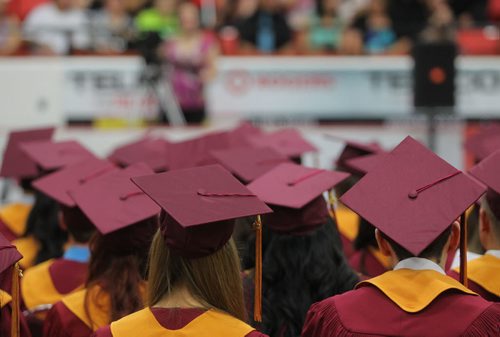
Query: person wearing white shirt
{"points": [[57, 27]]}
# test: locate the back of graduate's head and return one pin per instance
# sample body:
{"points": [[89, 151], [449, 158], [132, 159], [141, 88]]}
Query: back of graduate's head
{"points": [[437, 251], [213, 280], [118, 263], [78, 225], [489, 222], [43, 225]]}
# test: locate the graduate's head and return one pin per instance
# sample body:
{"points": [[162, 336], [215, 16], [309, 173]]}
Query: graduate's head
{"points": [[489, 216], [213, 280], [489, 221], [193, 250], [446, 243], [79, 227], [414, 199]]}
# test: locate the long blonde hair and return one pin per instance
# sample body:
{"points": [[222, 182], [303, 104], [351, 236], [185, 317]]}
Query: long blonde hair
{"points": [[214, 280]]}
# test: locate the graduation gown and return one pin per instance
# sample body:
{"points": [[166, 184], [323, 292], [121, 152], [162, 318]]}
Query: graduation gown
{"points": [[404, 303], [348, 226], [369, 262], [13, 218], [163, 322], [28, 247], [50, 281], [483, 276], [6, 317], [68, 317]]}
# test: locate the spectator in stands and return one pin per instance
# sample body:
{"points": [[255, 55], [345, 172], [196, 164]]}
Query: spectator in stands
{"points": [[57, 27], [470, 13], [267, 30], [348, 9], [191, 57], [326, 29], [299, 13], [112, 28], [441, 22], [160, 19], [409, 18], [375, 28], [10, 37]]}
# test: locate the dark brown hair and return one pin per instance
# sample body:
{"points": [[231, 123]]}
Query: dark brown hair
{"points": [[118, 267], [214, 280]]}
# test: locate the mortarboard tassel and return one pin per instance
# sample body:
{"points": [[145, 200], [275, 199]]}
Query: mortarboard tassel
{"points": [[257, 307], [15, 327], [331, 206], [463, 250]]}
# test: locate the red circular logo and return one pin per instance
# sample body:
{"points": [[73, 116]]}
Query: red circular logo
{"points": [[238, 82], [437, 75]]}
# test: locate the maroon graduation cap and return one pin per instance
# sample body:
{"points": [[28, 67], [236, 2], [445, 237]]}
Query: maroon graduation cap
{"points": [[51, 155], [485, 142], [488, 172], [248, 163], [57, 184], [413, 196], [295, 193], [16, 163], [196, 152], [353, 149], [365, 164], [112, 202], [151, 151], [288, 142]]}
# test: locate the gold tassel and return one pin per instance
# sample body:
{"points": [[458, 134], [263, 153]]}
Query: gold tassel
{"points": [[463, 250], [257, 306], [331, 206], [16, 308]]}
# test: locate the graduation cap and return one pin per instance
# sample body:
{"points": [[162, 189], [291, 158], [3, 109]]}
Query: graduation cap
{"points": [[151, 151], [238, 137], [196, 152], [288, 142], [485, 142], [9, 257], [353, 149], [487, 171], [199, 208], [365, 164], [51, 155], [16, 163], [57, 184], [295, 193], [198, 202], [248, 163], [413, 196], [112, 202]]}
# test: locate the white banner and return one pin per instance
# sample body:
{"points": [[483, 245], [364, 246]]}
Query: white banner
{"points": [[340, 87]]}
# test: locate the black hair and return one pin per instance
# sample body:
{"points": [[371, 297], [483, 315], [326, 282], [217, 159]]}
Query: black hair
{"points": [[299, 271], [77, 223], [43, 226], [434, 250], [366, 236]]}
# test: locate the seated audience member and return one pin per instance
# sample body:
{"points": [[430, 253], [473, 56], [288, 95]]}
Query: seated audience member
{"points": [[111, 28], [10, 37], [325, 32], [375, 28], [267, 30], [414, 199], [299, 13], [470, 13], [484, 272], [57, 28], [440, 23], [160, 19], [348, 9]]}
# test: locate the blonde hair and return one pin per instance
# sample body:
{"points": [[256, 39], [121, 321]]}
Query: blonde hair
{"points": [[214, 280]]}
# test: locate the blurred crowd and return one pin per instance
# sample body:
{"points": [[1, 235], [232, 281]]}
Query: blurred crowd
{"points": [[345, 27]]}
